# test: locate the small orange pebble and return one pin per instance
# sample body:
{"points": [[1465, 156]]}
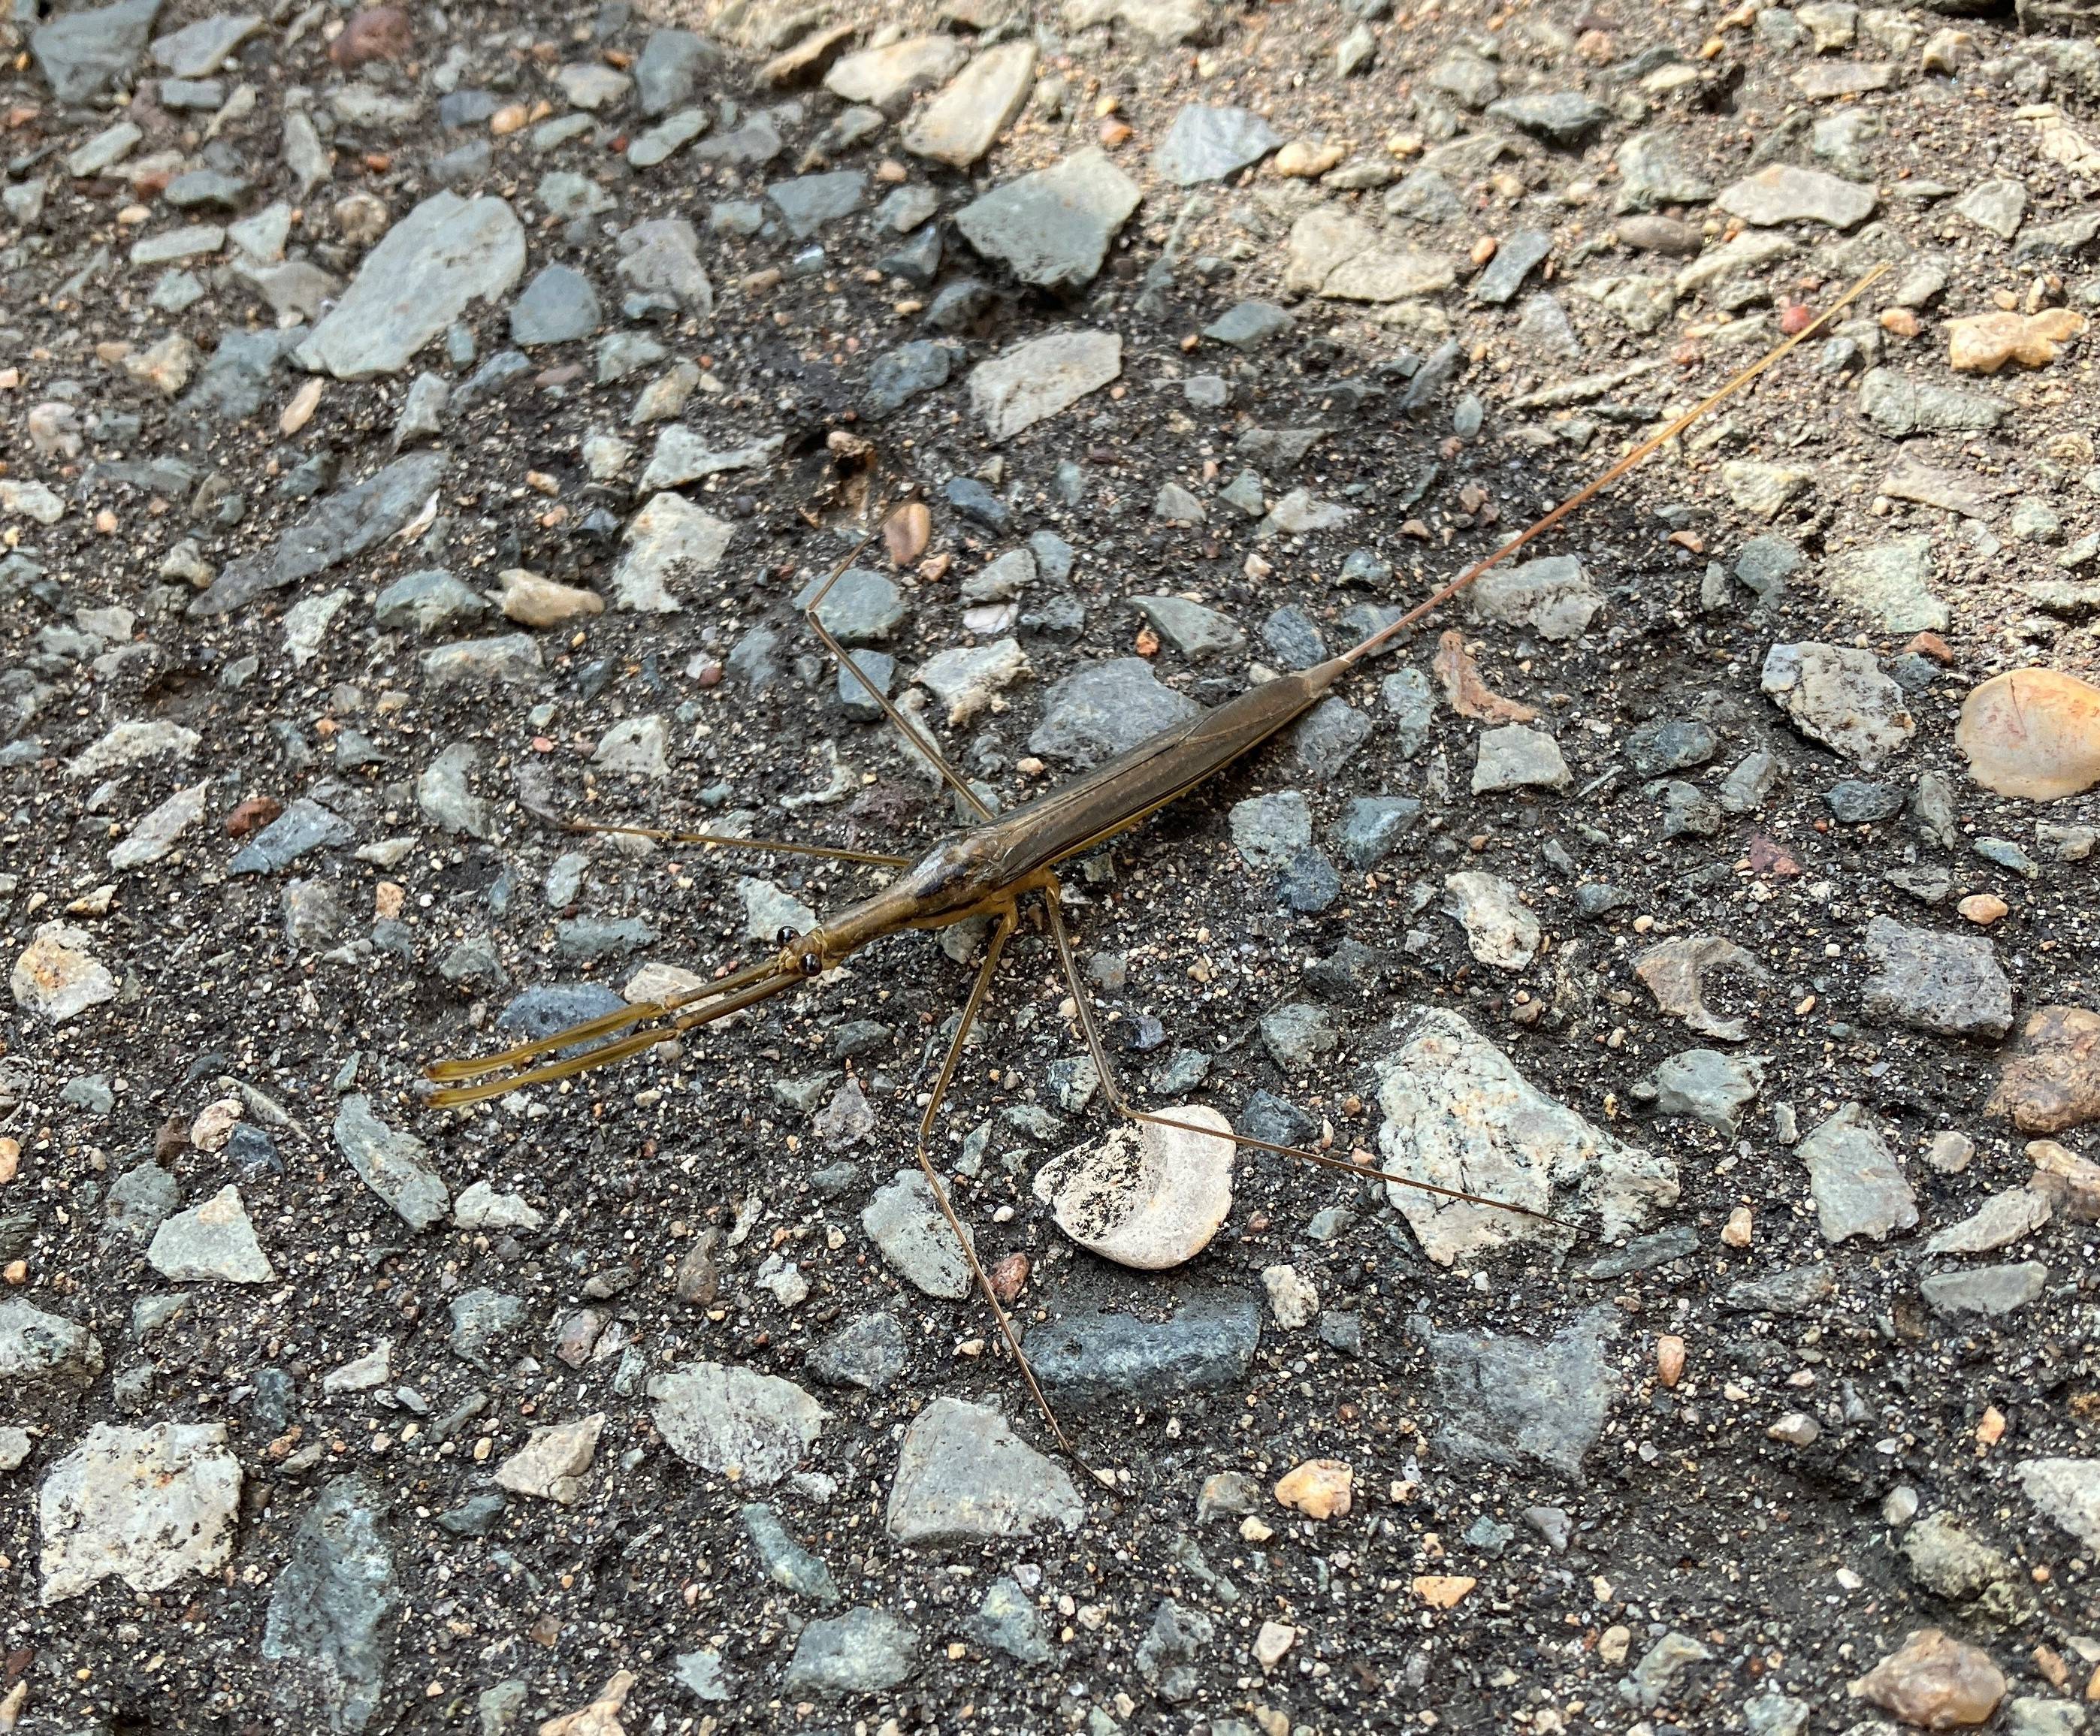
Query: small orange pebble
{"points": [[1441, 1591], [1898, 322], [1147, 642], [1796, 317], [1991, 1429], [1484, 249], [1319, 1488], [1931, 644], [1670, 1359], [1983, 909], [1114, 132]]}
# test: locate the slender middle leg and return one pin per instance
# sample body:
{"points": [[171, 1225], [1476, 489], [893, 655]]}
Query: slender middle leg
{"points": [[1002, 930]]}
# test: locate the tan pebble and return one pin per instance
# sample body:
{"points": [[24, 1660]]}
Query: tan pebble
{"points": [[16, 1271], [1114, 132], [1983, 909], [1950, 1151], [215, 1123], [2033, 733], [105, 522], [1796, 1429], [300, 411], [387, 898], [1302, 160], [507, 120], [1670, 1359], [1736, 1232], [1441, 1591], [1935, 1682], [1253, 1531], [907, 531], [1484, 249], [891, 172], [1991, 1429], [1899, 322], [1273, 1640], [1983, 343], [1319, 1488], [10, 1160], [2070, 1183], [1612, 1644], [535, 601]]}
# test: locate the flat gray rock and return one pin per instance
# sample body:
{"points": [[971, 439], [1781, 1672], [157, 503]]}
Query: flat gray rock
{"points": [[1858, 1182], [809, 202], [721, 1416], [1934, 980], [1513, 1400], [1052, 228], [344, 525], [1104, 709], [904, 1221], [445, 253], [151, 1507], [557, 308], [1553, 596], [1984, 1290], [211, 1240], [1206, 144], [393, 1165], [81, 53], [1021, 386], [1890, 585], [863, 1651], [329, 1625], [1781, 193], [1088, 1358], [2068, 1490], [964, 1479], [1838, 695], [37, 1348]]}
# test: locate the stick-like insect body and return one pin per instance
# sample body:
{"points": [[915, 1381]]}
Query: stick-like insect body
{"points": [[987, 869]]}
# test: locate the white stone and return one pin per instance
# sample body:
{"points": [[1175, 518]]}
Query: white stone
{"points": [[1144, 1194], [151, 1506]]}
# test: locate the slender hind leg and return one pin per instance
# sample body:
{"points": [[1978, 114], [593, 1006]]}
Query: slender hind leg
{"points": [[1001, 930], [1121, 1104]]}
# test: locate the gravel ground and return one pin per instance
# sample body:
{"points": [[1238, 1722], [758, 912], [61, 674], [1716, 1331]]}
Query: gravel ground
{"points": [[419, 426]]}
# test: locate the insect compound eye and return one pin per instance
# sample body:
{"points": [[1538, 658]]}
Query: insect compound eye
{"points": [[785, 937], [811, 964]]}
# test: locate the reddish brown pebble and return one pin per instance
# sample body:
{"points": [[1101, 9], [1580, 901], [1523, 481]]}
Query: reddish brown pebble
{"points": [[251, 815], [1670, 1359], [907, 531], [1007, 1277], [1147, 642], [1795, 317], [379, 33], [1931, 644]]}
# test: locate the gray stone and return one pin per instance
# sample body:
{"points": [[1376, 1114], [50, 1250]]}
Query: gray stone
{"points": [[1030, 382], [557, 306], [1750, 781], [905, 1221], [1931, 980], [1410, 698], [1896, 405], [1206, 144], [1248, 325], [211, 1240], [482, 1318], [1521, 252], [699, 1673], [427, 602], [1512, 1400], [1268, 830], [1104, 709], [863, 1651], [1781, 193], [667, 71], [783, 1560], [445, 253], [1500, 930], [1855, 801], [393, 1165], [1297, 1034], [1984, 1290], [1370, 826], [959, 126], [1797, 1292], [38, 1349], [1291, 638], [304, 825], [1655, 1678], [1328, 736], [139, 1198], [1052, 227], [809, 201], [870, 1351], [721, 1417], [1858, 1182], [661, 257], [1838, 695], [910, 370], [1651, 174], [1890, 585], [1675, 744], [964, 1479], [82, 53], [1457, 1113], [1708, 1086], [329, 1623], [199, 48], [151, 1507], [665, 140], [345, 525], [2068, 1490], [1513, 757], [1553, 596], [1006, 1621], [1996, 205], [1167, 1655], [1560, 117], [861, 607], [1088, 1358], [1764, 563]]}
